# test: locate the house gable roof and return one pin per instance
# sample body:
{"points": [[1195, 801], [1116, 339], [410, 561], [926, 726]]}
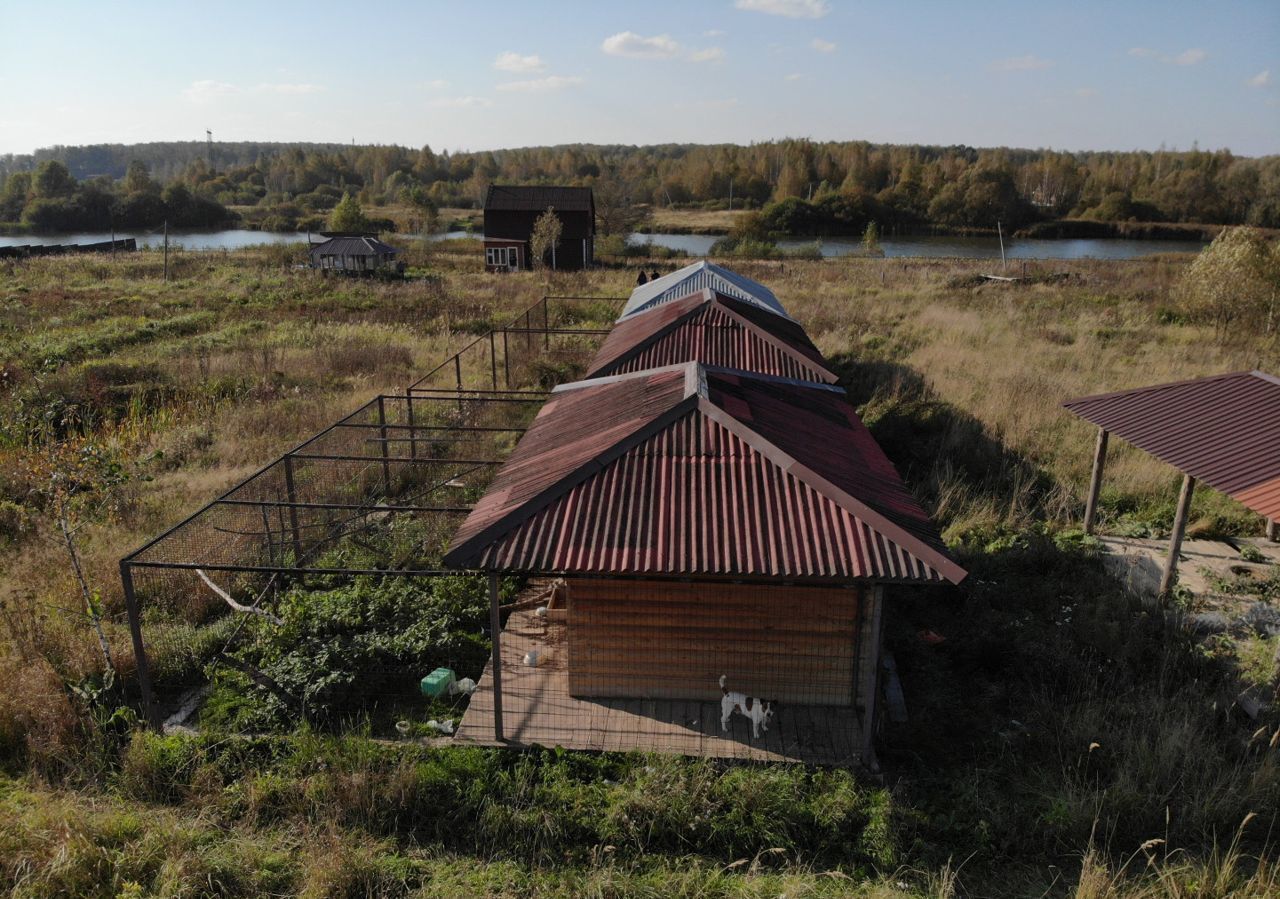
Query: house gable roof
{"points": [[687, 471], [699, 275], [716, 329], [537, 198]]}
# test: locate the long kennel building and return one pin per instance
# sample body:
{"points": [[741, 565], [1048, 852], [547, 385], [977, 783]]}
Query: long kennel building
{"points": [[708, 520]]}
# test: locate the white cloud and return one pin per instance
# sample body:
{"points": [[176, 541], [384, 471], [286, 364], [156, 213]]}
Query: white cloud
{"points": [[794, 76], [1189, 57], [295, 89], [714, 32], [1262, 79], [822, 46], [461, 103], [206, 90], [792, 9], [541, 85], [1027, 63], [1086, 92], [514, 62], [711, 54], [630, 44], [435, 84]]}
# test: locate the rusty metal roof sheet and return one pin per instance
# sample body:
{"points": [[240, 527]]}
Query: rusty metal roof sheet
{"points": [[716, 329], [1222, 430], [700, 275], [720, 473]]}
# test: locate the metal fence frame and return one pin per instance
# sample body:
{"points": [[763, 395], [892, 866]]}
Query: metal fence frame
{"points": [[388, 421]]}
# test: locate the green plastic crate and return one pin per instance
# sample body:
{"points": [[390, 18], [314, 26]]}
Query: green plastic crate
{"points": [[437, 683]]}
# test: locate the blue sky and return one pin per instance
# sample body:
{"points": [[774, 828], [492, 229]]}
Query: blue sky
{"points": [[461, 75]]}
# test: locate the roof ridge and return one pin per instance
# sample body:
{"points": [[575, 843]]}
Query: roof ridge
{"points": [[942, 563]]}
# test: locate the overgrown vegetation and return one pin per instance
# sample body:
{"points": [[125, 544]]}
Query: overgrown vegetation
{"points": [[1063, 740]]}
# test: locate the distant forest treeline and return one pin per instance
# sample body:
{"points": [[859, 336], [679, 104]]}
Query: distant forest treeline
{"points": [[801, 186]]}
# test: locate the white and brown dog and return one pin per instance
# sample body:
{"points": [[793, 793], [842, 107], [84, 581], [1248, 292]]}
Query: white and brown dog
{"points": [[757, 711]]}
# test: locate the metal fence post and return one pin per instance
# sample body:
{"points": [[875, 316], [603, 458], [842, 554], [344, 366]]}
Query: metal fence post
{"points": [[493, 360], [495, 627], [413, 430], [151, 712], [382, 434], [291, 495], [506, 359]]}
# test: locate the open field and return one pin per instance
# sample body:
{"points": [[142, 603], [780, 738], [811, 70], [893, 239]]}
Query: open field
{"points": [[1059, 730]]}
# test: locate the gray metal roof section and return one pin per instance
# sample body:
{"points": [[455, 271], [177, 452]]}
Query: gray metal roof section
{"points": [[353, 246], [699, 276]]}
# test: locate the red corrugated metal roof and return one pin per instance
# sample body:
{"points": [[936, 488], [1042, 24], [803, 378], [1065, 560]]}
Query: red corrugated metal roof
{"points": [[699, 488], [1222, 430], [716, 329]]}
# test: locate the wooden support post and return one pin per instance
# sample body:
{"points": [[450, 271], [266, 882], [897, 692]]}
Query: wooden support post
{"points": [[1272, 529], [869, 668], [150, 711], [546, 325], [386, 452], [495, 627], [1095, 482], [291, 494], [166, 250], [493, 361], [1175, 539]]}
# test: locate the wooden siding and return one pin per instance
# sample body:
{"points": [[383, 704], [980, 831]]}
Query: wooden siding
{"points": [[538, 711], [673, 640]]}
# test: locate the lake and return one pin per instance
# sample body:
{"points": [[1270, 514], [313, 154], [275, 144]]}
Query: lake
{"points": [[191, 240], [963, 247], [693, 244]]}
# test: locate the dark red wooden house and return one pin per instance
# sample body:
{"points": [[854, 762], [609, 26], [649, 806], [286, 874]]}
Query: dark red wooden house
{"points": [[509, 216]]}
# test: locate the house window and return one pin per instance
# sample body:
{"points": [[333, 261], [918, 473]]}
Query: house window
{"points": [[502, 257]]}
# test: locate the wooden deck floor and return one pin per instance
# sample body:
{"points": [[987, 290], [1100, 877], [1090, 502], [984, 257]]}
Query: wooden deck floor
{"points": [[538, 710]]}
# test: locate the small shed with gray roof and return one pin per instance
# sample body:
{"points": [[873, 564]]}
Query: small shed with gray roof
{"points": [[354, 254]]}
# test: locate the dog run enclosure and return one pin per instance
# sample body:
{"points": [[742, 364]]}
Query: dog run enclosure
{"points": [[705, 529], [419, 455]]}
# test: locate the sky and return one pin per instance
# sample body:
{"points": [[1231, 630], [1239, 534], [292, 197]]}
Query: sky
{"points": [[457, 75]]}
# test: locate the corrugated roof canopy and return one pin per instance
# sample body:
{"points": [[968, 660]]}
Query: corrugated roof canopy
{"points": [[715, 329], [692, 470], [1222, 430], [536, 198], [698, 276]]}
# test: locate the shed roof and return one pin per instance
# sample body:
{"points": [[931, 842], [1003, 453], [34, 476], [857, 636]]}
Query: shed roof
{"points": [[536, 198], [691, 470], [711, 327], [1223, 430], [698, 276], [353, 246]]}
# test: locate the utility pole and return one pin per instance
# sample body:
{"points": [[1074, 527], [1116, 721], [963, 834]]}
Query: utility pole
{"points": [[213, 169], [1000, 233], [731, 195], [166, 250]]}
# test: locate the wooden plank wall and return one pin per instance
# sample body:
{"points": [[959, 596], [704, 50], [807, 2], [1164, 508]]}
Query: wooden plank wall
{"points": [[673, 640]]}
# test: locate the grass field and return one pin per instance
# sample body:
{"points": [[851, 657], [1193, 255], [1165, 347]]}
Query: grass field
{"points": [[1063, 740]]}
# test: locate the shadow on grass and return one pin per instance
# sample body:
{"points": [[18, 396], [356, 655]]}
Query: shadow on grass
{"points": [[965, 476]]}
